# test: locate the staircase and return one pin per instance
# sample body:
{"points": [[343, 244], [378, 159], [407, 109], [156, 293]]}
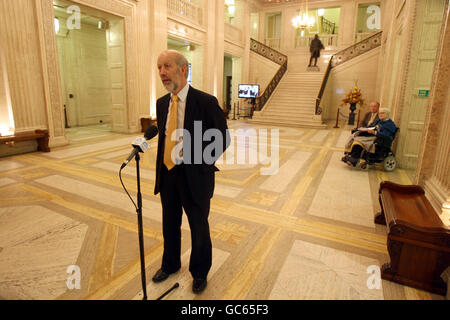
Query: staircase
{"points": [[293, 102]]}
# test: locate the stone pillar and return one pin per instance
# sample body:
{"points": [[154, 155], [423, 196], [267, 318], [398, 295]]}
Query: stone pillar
{"points": [[246, 31], [262, 27], [433, 165], [158, 43], [288, 32], [6, 115], [214, 49], [50, 73], [349, 14], [33, 104]]}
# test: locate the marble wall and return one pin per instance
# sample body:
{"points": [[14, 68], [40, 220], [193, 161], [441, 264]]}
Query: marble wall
{"points": [[361, 71], [262, 70]]}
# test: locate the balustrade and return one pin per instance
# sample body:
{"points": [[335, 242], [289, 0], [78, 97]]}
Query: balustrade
{"points": [[273, 43], [185, 9], [328, 40]]}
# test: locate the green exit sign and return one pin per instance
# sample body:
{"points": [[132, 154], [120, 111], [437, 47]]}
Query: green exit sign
{"points": [[424, 93]]}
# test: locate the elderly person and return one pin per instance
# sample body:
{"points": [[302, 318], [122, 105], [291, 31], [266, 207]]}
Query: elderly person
{"points": [[364, 138], [371, 118]]}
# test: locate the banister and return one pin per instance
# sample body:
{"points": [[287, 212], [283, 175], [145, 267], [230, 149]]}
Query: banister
{"points": [[343, 56], [274, 56]]}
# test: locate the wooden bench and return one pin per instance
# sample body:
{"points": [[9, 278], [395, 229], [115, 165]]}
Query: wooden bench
{"points": [[418, 242], [41, 136]]}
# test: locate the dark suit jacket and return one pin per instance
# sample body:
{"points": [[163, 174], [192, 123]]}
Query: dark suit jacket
{"points": [[366, 119], [315, 47], [203, 107]]}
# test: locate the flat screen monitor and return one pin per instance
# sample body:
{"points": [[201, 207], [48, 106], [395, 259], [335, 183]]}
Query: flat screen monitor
{"points": [[248, 90]]}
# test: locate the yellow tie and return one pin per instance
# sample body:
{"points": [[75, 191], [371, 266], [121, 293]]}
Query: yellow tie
{"points": [[170, 129]]}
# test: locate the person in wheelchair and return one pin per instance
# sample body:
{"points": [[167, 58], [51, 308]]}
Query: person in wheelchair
{"points": [[364, 139]]}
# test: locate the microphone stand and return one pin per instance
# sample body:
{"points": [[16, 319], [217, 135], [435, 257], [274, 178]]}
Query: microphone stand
{"points": [[141, 235], [140, 227]]}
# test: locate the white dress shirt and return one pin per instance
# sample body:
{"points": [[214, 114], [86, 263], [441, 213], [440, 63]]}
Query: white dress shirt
{"points": [[182, 96]]}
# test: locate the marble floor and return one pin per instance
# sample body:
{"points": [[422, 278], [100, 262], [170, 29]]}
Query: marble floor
{"points": [[305, 232]]}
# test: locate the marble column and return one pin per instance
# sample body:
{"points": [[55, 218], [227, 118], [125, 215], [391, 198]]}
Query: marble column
{"points": [[433, 164], [262, 27], [246, 31], [214, 49], [349, 12], [6, 115], [158, 43], [50, 76], [22, 64]]}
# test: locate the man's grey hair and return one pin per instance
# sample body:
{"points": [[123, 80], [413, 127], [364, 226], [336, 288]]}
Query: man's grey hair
{"points": [[181, 60]]}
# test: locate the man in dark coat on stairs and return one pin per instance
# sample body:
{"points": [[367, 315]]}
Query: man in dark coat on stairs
{"points": [[314, 48]]}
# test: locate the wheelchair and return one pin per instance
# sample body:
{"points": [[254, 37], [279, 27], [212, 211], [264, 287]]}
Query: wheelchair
{"points": [[383, 153]]}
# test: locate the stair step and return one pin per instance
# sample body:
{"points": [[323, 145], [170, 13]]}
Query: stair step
{"points": [[289, 113], [298, 97], [294, 84], [289, 107], [282, 104], [296, 87], [303, 124], [293, 102]]}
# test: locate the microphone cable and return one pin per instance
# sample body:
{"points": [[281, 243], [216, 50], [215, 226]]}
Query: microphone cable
{"points": [[151, 132], [124, 188]]}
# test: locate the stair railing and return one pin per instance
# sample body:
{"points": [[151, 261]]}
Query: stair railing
{"points": [[343, 56], [274, 56]]}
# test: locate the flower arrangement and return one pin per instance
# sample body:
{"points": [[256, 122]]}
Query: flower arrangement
{"points": [[353, 96]]}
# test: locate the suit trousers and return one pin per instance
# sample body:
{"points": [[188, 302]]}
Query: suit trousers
{"points": [[176, 195]]}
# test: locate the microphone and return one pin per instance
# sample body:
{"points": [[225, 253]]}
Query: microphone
{"points": [[140, 144]]}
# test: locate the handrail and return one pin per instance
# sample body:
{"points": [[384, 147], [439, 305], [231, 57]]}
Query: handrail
{"points": [[357, 49], [322, 87], [330, 27], [276, 57], [345, 55]]}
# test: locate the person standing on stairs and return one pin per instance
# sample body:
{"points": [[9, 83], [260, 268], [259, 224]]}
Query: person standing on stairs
{"points": [[314, 48]]}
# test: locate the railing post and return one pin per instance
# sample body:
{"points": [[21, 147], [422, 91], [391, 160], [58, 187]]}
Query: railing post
{"points": [[337, 119], [357, 121]]}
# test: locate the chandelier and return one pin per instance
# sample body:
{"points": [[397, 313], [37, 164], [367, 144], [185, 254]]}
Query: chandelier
{"points": [[303, 21], [230, 6]]}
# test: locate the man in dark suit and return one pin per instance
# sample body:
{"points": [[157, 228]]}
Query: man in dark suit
{"points": [[315, 47], [184, 172], [371, 118]]}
